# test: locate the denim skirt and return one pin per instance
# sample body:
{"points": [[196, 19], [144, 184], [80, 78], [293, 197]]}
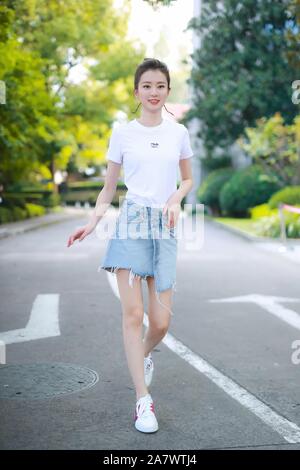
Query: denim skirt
{"points": [[143, 244]]}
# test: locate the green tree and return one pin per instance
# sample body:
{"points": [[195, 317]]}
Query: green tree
{"points": [[41, 42], [293, 37], [242, 70], [27, 116], [276, 147]]}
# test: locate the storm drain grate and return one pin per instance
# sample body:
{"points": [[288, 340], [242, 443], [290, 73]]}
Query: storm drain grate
{"points": [[44, 380]]}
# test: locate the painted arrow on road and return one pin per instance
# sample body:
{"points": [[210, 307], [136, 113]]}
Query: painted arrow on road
{"points": [[271, 304], [43, 321]]}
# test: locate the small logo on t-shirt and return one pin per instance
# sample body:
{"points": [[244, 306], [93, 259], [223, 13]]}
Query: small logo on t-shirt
{"points": [[154, 144]]}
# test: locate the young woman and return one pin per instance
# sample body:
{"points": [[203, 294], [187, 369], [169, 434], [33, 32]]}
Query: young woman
{"points": [[144, 243]]}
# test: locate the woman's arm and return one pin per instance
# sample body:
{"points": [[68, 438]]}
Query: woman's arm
{"points": [[186, 183], [107, 193], [173, 205], [186, 178], [103, 201]]}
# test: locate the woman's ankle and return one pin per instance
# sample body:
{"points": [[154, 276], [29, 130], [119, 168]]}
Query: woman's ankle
{"points": [[141, 394]]}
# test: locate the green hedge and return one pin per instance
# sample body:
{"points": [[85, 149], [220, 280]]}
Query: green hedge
{"points": [[41, 198], [209, 190], [15, 213], [247, 188], [289, 195], [13, 200], [216, 163], [270, 226], [83, 196], [262, 210], [91, 185], [25, 187], [5, 215], [51, 200], [33, 210]]}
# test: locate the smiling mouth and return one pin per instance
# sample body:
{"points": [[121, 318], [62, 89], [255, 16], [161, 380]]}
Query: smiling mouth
{"points": [[154, 101]]}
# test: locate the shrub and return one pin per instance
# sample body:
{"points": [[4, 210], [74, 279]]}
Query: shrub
{"points": [[262, 210], [34, 210], [247, 188], [289, 195], [29, 187], [5, 215], [270, 226], [15, 213], [90, 185], [51, 199], [209, 190], [11, 200], [216, 163], [71, 197], [19, 214]]}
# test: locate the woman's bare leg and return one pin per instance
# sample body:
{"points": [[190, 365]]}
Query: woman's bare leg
{"points": [[158, 316], [132, 324]]}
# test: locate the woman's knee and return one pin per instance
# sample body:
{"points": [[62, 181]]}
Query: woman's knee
{"points": [[134, 315], [159, 328]]}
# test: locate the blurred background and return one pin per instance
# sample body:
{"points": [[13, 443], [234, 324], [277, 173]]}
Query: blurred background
{"points": [[66, 78]]}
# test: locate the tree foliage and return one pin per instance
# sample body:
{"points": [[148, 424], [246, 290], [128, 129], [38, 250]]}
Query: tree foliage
{"points": [[245, 66], [48, 119], [276, 147]]}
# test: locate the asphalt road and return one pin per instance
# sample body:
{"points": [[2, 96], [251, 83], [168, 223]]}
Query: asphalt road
{"points": [[224, 375]]}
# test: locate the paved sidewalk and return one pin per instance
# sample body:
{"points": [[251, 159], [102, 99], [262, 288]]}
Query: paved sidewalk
{"points": [[290, 250], [14, 228]]}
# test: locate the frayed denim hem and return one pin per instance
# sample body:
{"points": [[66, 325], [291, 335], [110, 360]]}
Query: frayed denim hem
{"points": [[173, 287], [133, 275], [113, 269]]}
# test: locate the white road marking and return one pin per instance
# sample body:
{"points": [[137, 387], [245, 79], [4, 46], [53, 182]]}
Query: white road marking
{"points": [[287, 429], [271, 304], [43, 321]]}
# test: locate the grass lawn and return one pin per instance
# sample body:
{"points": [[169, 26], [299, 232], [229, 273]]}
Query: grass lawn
{"points": [[245, 225]]}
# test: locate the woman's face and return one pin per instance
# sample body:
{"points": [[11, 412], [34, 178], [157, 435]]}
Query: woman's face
{"points": [[152, 90]]}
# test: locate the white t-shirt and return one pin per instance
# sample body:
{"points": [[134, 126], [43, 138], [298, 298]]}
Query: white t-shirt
{"points": [[150, 158]]}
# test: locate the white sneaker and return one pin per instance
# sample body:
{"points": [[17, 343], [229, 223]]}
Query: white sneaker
{"points": [[145, 419], [148, 369]]}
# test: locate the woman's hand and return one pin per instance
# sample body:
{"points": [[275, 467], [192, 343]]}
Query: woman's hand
{"points": [[173, 209], [80, 233]]}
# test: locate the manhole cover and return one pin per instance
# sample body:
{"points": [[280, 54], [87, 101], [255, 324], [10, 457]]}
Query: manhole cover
{"points": [[38, 381]]}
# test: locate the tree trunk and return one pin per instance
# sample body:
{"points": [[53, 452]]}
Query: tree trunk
{"points": [[52, 169]]}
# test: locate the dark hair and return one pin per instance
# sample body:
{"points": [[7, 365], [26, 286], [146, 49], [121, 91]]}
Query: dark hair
{"points": [[151, 64]]}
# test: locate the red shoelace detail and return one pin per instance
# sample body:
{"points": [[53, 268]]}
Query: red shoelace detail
{"points": [[151, 408]]}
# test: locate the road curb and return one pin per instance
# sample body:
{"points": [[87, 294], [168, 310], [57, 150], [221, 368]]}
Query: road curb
{"points": [[16, 228], [251, 238]]}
